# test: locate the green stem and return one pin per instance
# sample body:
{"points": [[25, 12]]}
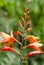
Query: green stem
{"points": [[22, 42], [21, 53]]}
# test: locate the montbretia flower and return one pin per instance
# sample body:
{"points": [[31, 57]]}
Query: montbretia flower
{"points": [[32, 46], [33, 53], [35, 45], [8, 39], [32, 38], [5, 48]]}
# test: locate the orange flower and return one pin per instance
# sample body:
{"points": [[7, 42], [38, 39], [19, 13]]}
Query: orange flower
{"points": [[32, 38], [9, 40], [33, 53], [5, 48], [35, 45]]}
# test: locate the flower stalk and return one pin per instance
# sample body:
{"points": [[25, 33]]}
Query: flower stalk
{"points": [[34, 41]]}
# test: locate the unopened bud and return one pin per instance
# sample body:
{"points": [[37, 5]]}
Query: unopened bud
{"points": [[28, 16], [27, 23], [20, 24], [29, 29], [22, 18]]}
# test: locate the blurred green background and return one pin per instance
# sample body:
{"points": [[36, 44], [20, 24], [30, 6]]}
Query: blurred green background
{"points": [[10, 12]]}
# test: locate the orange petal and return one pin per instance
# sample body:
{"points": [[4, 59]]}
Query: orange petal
{"points": [[10, 44], [37, 44], [6, 40], [4, 37], [34, 53], [5, 48], [16, 33], [32, 38], [35, 47]]}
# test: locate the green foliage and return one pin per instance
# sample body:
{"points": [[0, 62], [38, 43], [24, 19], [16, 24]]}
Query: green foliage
{"points": [[9, 59]]}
